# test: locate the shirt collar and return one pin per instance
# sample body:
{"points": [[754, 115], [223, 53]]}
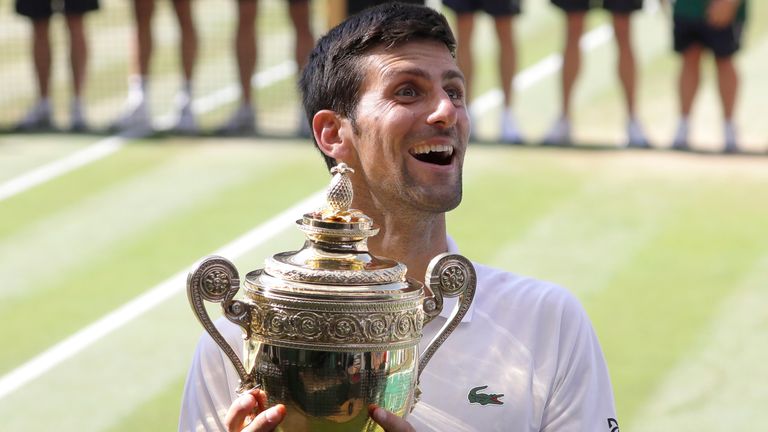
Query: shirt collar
{"points": [[450, 303]]}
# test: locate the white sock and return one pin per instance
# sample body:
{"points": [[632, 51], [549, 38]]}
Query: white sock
{"points": [[137, 88], [44, 103], [729, 130], [76, 108]]}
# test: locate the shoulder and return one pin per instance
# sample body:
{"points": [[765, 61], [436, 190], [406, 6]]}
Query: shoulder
{"points": [[500, 289]]}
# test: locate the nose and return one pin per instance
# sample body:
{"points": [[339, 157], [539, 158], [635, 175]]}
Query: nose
{"points": [[445, 112]]}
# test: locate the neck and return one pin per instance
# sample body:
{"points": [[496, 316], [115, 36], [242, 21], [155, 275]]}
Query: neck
{"points": [[410, 239]]}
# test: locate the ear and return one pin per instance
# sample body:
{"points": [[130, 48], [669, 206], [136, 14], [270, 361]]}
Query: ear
{"points": [[329, 129]]}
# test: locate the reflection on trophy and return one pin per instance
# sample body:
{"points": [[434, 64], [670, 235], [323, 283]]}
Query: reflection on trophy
{"points": [[330, 329]]}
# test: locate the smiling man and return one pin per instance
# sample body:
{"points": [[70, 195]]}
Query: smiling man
{"points": [[384, 95]]}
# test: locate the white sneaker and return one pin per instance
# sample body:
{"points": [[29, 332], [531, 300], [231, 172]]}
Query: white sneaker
{"points": [[731, 143], [681, 136], [77, 121], [135, 120], [242, 122], [559, 133], [510, 133], [635, 135], [185, 123], [37, 118]]}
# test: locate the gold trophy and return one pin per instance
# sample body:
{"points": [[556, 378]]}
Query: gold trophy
{"points": [[331, 329]]}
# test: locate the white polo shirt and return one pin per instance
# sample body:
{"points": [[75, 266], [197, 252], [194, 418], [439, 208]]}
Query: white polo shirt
{"points": [[529, 341], [524, 359]]}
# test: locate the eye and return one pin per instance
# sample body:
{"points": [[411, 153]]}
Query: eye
{"points": [[455, 94], [407, 91]]}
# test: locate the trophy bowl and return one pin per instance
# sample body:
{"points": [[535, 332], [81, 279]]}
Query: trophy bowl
{"points": [[331, 329]]}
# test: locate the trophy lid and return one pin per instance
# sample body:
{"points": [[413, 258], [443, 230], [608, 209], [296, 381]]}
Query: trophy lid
{"points": [[335, 252]]}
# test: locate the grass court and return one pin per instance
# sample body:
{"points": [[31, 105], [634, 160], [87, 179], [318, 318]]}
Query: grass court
{"points": [[667, 251]]}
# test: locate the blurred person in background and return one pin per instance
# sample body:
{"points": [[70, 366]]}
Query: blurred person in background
{"points": [[39, 117], [355, 6], [243, 120], [136, 117], [717, 26], [503, 13], [575, 12]]}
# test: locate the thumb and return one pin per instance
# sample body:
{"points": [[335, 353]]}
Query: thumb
{"points": [[389, 421], [240, 409]]}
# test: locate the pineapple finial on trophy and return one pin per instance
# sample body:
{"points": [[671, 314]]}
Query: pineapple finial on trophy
{"points": [[339, 195]]}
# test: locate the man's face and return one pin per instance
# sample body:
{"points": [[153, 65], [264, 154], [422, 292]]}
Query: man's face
{"points": [[412, 128]]}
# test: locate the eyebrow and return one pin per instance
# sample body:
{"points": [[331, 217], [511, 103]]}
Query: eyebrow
{"points": [[421, 73]]}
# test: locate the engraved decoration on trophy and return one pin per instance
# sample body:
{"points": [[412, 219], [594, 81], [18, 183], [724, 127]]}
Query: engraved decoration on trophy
{"points": [[330, 328]]}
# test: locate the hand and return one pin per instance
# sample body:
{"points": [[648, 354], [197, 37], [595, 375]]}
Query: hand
{"points": [[720, 13], [249, 413], [389, 421]]}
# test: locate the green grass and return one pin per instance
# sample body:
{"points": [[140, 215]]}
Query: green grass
{"points": [[666, 251]]}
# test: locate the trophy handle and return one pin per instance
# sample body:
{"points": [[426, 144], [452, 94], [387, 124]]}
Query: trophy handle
{"points": [[449, 275], [216, 279]]}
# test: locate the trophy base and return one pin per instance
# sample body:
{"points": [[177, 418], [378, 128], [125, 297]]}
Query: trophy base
{"points": [[331, 391]]}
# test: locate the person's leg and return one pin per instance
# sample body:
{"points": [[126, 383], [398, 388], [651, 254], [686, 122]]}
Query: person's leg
{"points": [[571, 59], [78, 55], [188, 32], [728, 84], [627, 71], [507, 55], [507, 67], [300, 17], [245, 46], [185, 122], [243, 120], [688, 84], [626, 63], [41, 53], [560, 132], [465, 26], [299, 10], [135, 117], [78, 52], [143, 11], [39, 116]]}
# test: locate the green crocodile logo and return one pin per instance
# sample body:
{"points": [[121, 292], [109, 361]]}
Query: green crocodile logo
{"points": [[482, 398]]}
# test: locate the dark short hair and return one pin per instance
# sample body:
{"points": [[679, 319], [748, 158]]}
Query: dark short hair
{"points": [[334, 74]]}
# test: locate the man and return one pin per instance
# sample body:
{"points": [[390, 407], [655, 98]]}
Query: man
{"points": [[385, 96], [715, 25], [136, 118], [575, 13], [39, 12], [243, 120], [503, 14]]}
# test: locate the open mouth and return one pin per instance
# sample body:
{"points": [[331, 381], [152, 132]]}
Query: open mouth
{"points": [[440, 154]]}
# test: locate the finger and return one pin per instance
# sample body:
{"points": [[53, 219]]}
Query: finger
{"points": [[261, 399], [389, 421], [267, 420], [238, 411]]}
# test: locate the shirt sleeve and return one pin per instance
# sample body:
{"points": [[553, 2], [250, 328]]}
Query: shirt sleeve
{"points": [[582, 397], [211, 383]]}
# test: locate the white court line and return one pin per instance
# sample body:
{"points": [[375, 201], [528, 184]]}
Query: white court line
{"points": [[82, 339], [540, 70], [85, 337], [109, 145]]}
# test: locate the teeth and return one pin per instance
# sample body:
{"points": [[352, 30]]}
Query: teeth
{"points": [[423, 149]]}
